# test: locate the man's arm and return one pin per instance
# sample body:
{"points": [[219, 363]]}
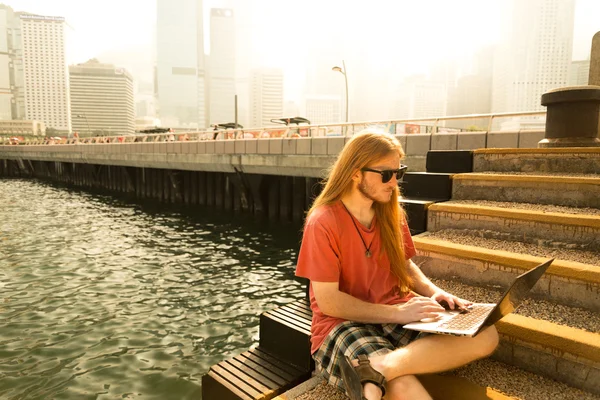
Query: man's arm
{"points": [[338, 304], [423, 286]]}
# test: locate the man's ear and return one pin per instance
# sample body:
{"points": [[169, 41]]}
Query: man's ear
{"points": [[357, 176]]}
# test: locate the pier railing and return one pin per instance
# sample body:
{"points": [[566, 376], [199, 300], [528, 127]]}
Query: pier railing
{"points": [[432, 125]]}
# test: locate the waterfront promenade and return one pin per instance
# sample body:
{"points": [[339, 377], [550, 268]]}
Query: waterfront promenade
{"points": [[301, 151]]}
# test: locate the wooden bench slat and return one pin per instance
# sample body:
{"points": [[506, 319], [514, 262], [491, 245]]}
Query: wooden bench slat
{"points": [[301, 309], [284, 371], [302, 303], [270, 371], [301, 313], [254, 374], [215, 386], [293, 370], [244, 377], [288, 322], [300, 319], [232, 387]]}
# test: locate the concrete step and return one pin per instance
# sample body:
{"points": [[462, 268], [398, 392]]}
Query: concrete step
{"points": [[486, 262], [539, 189], [482, 380], [539, 338], [584, 160], [519, 222], [504, 381]]}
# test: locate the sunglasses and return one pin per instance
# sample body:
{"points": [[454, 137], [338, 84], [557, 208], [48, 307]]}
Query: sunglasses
{"points": [[387, 174]]}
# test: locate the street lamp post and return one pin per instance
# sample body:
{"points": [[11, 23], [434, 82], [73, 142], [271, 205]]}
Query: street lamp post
{"points": [[344, 72], [86, 122]]}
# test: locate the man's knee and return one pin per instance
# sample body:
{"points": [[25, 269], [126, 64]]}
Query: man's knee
{"points": [[488, 340], [402, 384]]}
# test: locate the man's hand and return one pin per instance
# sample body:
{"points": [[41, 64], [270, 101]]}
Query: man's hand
{"points": [[419, 308], [453, 301]]}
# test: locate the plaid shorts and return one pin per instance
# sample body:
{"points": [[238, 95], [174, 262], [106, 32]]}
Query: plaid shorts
{"points": [[353, 338]]}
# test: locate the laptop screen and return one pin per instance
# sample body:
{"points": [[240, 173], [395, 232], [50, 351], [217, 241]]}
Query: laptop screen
{"points": [[516, 293]]}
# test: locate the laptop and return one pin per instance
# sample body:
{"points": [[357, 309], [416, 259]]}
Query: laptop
{"points": [[480, 315]]}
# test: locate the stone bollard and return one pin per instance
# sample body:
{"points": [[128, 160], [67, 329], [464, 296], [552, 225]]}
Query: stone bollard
{"points": [[573, 117]]}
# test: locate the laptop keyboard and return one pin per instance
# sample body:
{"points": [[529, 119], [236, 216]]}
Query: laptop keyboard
{"points": [[470, 320]]}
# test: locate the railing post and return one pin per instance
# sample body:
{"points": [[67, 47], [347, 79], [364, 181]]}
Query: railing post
{"points": [[490, 123]]}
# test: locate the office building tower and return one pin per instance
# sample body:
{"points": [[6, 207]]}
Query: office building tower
{"points": [[580, 73], [266, 97], [45, 79], [221, 71], [534, 54], [323, 109], [472, 93], [101, 99], [419, 97], [7, 59], [180, 64]]}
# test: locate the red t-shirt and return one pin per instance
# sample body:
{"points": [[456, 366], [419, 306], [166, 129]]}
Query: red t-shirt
{"points": [[332, 251]]}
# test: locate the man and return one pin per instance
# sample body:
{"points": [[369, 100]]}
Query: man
{"points": [[356, 253]]}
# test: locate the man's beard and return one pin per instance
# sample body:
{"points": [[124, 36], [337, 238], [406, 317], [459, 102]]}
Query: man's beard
{"points": [[364, 190]]}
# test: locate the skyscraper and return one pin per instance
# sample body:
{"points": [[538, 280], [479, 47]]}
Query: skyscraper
{"points": [[419, 97], [44, 68], [534, 54], [323, 109], [266, 97], [180, 79], [221, 71], [472, 93], [101, 99], [7, 98], [579, 74]]}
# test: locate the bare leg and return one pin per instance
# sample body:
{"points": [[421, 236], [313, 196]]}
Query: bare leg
{"points": [[435, 353], [371, 391], [406, 387]]}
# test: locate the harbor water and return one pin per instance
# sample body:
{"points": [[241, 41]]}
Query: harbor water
{"points": [[101, 298]]}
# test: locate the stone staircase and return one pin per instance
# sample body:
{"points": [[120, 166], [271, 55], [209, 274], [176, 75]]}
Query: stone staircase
{"points": [[518, 208]]}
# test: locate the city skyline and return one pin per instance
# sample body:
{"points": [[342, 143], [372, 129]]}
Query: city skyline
{"points": [[134, 26], [304, 43]]}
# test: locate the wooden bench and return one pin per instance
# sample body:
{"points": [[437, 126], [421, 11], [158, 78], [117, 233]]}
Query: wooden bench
{"points": [[285, 331], [281, 361]]}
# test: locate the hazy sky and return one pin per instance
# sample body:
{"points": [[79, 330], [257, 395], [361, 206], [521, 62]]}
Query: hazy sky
{"points": [[392, 30], [122, 24]]}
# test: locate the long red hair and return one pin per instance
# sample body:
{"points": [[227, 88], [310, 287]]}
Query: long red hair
{"points": [[362, 150]]}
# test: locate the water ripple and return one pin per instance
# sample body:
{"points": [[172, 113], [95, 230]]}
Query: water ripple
{"points": [[100, 298]]}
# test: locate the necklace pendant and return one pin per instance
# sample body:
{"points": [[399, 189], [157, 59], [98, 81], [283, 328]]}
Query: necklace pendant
{"points": [[368, 253]]}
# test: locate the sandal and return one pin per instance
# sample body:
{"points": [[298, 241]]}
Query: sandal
{"points": [[355, 377]]}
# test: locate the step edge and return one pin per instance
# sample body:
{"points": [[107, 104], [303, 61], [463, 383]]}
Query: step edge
{"points": [[427, 173], [562, 150], [583, 220], [526, 178], [561, 268], [580, 343], [420, 200]]}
